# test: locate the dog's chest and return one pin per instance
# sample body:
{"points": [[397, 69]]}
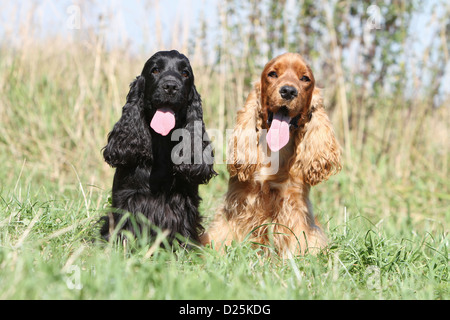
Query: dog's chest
{"points": [[274, 174]]}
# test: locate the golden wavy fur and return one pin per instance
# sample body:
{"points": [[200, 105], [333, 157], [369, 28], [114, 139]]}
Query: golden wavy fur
{"points": [[268, 207]]}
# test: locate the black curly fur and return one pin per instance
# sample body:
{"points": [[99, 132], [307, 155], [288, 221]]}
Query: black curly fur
{"points": [[146, 180]]}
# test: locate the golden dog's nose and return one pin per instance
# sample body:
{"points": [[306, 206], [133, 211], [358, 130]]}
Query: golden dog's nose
{"points": [[288, 92]]}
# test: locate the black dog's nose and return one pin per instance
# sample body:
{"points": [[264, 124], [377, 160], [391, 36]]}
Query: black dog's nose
{"points": [[170, 87], [288, 92]]}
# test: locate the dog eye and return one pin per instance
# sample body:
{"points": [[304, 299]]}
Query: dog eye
{"points": [[185, 74], [155, 71], [273, 74], [305, 79]]}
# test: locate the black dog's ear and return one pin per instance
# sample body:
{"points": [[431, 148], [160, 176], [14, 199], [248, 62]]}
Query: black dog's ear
{"points": [[129, 142], [199, 165]]}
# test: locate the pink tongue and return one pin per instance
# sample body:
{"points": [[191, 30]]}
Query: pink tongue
{"points": [[163, 121], [278, 135]]}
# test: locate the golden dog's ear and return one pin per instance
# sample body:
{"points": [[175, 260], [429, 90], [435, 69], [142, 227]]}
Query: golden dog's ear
{"points": [[242, 155], [318, 153]]}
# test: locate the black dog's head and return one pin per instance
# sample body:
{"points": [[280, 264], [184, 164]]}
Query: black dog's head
{"points": [[161, 99], [169, 80], [169, 89]]}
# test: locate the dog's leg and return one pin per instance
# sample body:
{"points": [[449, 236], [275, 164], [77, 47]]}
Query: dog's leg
{"points": [[219, 233]]}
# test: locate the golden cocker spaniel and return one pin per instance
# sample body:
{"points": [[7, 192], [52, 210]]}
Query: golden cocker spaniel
{"points": [[283, 143]]}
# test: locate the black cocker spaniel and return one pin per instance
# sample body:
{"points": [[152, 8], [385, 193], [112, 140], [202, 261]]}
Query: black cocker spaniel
{"points": [[157, 173]]}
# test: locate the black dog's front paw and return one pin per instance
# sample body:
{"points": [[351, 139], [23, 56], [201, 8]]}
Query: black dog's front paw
{"points": [[195, 173]]}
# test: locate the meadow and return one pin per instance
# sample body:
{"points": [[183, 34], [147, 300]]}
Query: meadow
{"points": [[386, 213]]}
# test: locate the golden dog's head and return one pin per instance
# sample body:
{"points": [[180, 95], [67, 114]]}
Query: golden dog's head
{"points": [[285, 106], [287, 85]]}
